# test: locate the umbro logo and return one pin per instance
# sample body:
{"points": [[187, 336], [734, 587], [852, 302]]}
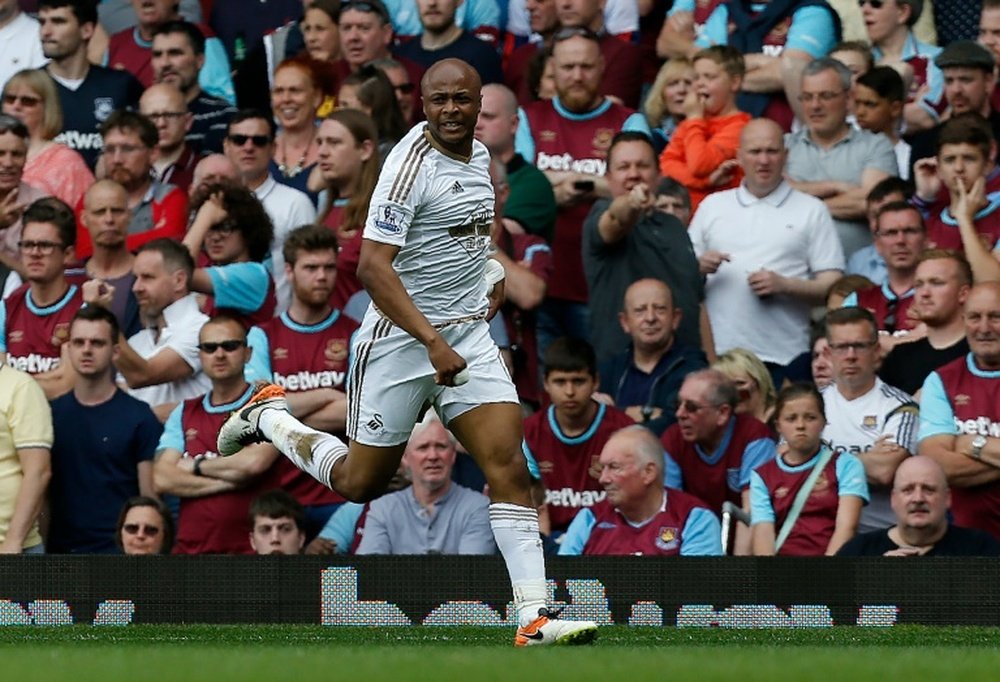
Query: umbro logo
{"points": [[457, 188], [375, 423]]}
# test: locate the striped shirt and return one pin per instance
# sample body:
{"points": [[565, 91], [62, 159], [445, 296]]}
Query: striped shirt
{"points": [[438, 209]]}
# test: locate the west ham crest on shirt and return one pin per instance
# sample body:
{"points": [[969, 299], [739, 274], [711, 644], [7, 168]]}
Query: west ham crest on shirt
{"points": [[666, 538], [103, 106]]}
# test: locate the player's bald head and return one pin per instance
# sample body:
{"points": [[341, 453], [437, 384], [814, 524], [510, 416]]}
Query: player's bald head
{"points": [[450, 72]]}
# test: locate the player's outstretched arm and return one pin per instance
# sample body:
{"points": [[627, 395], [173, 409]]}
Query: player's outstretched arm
{"points": [[384, 286]]}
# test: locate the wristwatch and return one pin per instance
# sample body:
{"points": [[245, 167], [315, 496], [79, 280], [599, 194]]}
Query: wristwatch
{"points": [[978, 443], [647, 413], [197, 465]]}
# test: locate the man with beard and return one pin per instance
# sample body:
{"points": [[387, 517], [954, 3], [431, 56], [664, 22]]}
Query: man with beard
{"points": [[443, 38], [433, 515], [920, 501], [305, 351], [178, 57], [88, 92], [568, 138], [157, 210]]}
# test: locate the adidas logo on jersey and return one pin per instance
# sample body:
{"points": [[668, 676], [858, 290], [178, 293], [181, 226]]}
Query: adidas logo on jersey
{"points": [[457, 188]]}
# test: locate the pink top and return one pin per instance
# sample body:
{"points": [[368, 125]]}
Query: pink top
{"points": [[60, 172]]}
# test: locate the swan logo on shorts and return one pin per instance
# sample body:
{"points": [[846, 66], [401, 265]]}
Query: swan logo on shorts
{"points": [[375, 423], [389, 219]]}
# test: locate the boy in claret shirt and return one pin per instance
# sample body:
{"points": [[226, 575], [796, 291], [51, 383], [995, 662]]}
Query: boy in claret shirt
{"points": [[702, 151]]}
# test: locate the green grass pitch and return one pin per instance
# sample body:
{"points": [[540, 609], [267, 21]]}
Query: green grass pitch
{"points": [[275, 653]]}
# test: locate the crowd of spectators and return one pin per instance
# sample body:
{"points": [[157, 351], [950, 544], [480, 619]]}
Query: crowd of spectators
{"points": [[752, 256]]}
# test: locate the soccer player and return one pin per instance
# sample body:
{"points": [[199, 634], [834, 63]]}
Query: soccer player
{"points": [[425, 339]]}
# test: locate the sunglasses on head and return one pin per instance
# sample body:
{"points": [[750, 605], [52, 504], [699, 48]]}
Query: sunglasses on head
{"points": [[229, 345], [257, 140], [133, 529]]}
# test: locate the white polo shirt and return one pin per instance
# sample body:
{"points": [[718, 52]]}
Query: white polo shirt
{"points": [[183, 321], [788, 232]]}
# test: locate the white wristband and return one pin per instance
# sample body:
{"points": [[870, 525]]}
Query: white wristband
{"points": [[493, 273]]}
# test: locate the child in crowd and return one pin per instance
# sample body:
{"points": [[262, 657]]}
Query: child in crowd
{"points": [[879, 96], [702, 152]]}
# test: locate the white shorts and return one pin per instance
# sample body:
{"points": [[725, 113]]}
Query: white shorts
{"points": [[391, 378]]}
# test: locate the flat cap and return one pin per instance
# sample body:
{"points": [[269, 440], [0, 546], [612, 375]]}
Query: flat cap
{"points": [[965, 53]]}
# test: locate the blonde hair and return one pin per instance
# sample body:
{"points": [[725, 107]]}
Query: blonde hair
{"points": [[655, 108], [742, 361], [41, 83]]}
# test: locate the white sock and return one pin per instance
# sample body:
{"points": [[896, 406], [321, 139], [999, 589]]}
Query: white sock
{"points": [[515, 529], [312, 451]]}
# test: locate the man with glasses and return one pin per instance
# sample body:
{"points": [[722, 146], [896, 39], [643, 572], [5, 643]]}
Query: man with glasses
{"points": [[178, 57], [35, 319], [104, 443], [164, 105], [831, 160], [890, 31], [866, 417], [160, 364], [250, 145], [900, 239], [960, 416], [159, 210], [404, 88], [88, 92], [215, 493], [711, 450], [640, 516]]}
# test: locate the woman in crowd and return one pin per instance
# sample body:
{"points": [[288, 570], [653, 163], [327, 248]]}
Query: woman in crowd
{"points": [[753, 382], [297, 93], [806, 501], [30, 96], [319, 30], [145, 526], [664, 107], [370, 90], [349, 164]]}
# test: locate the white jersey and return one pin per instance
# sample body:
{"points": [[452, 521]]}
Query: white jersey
{"points": [[854, 425], [438, 209]]}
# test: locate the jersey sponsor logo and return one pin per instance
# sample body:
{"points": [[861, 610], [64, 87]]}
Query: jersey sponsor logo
{"points": [[103, 106], [190, 434], [305, 381], [74, 139], [457, 188], [962, 399], [389, 219], [32, 363], [15, 336], [567, 497], [666, 538], [982, 426], [280, 353], [473, 234], [565, 162]]}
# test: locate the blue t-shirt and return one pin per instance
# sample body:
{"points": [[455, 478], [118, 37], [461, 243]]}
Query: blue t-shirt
{"points": [[95, 456]]}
